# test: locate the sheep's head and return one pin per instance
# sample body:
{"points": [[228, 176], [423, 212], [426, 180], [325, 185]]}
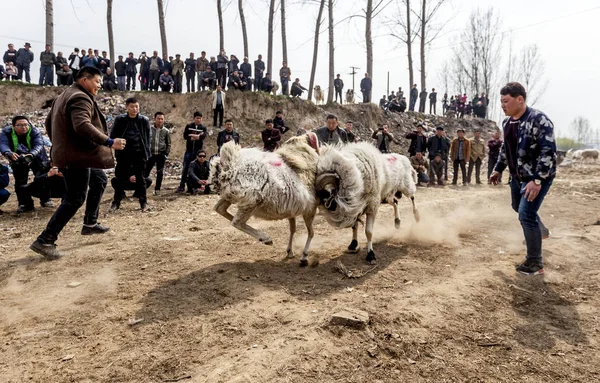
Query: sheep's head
{"points": [[215, 172], [327, 186]]}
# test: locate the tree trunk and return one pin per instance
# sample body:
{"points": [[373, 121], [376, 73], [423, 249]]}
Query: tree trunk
{"points": [[423, 28], [50, 23], [270, 39], [368, 37], [331, 55], [411, 74], [244, 33], [221, 34], [111, 38], [283, 33], [163, 32], [313, 70]]}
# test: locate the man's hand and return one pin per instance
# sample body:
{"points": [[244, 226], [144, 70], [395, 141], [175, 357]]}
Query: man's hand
{"points": [[494, 178], [132, 179], [119, 144], [13, 156], [194, 137], [54, 172], [531, 191]]}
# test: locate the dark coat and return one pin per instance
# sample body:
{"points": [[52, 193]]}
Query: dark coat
{"points": [[414, 139], [4, 179], [366, 84], [271, 138], [225, 136], [78, 131], [142, 123], [432, 146], [194, 146]]}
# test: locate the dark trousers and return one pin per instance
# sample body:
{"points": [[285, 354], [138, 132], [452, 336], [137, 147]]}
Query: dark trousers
{"points": [[158, 160], [154, 76], [64, 80], [218, 111], [432, 107], [177, 88], [477, 171], [187, 160], [285, 85], [222, 77], [338, 92], [532, 225], [460, 163], [191, 185], [411, 106], [422, 106], [258, 83], [366, 96], [46, 75], [21, 174], [491, 164], [125, 169], [131, 81], [190, 82], [4, 194], [144, 81], [23, 69], [77, 182], [446, 168]]}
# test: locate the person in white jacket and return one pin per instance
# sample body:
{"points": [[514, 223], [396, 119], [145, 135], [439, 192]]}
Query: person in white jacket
{"points": [[218, 106]]}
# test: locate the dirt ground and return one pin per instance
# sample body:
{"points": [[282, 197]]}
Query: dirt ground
{"points": [[215, 305]]}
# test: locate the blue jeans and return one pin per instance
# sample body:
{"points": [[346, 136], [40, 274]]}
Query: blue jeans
{"points": [[187, 160], [46, 75], [423, 178], [284, 85], [121, 83], [4, 194], [533, 228]]}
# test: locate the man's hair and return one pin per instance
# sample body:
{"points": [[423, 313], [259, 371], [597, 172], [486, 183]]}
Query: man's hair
{"points": [[88, 72], [228, 120], [200, 151], [17, 118], [197, 114], [76, 50], [349, 122], [278, 112], [203, 52], [332, 117], [131, 100], [268, 121], [514, 89], [158, 114]]}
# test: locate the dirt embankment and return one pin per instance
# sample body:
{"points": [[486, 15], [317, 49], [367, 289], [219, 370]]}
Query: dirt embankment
{"points": [[248, 110]]}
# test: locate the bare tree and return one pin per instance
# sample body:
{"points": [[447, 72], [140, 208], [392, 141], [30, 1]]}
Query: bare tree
{"points": [[580, 128], [283, 32], [429, 31], [243, 21], [221, 33], [371, 12], [443, 76], [270, 38], [161, 24], [331, 53], [313, 69], [531, 73], [111, 38], [401, 28], [50, 23]]}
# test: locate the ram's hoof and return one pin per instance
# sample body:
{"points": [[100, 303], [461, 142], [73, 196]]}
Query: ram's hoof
{"points": [[353, 248], [371, 260], [266, 241], [303, 262], [397, 223]]}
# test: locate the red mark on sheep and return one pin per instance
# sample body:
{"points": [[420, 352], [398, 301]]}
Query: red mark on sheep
{"points": [[392, 159], [275, 163]]}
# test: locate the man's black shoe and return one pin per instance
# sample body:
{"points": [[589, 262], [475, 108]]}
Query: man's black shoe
{"points": [[24, 209], [46, 250], [96, 229], [530, 268], [114, 207]]}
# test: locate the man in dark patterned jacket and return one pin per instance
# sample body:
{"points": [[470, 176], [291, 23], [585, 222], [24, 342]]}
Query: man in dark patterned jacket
{"points": [[529, 152]]}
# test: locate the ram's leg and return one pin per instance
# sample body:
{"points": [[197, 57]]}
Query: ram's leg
{"points": [[308, 221], [396, 213], [369, 233], [353, 248], [239, 222], [290, 252], [415, 210], [221, 208]]}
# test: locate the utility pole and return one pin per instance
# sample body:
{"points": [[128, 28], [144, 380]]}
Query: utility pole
{"points": [[354, 72]]}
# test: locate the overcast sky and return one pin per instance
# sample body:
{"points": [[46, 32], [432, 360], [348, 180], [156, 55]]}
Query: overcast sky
{"points": [[566, 32]]}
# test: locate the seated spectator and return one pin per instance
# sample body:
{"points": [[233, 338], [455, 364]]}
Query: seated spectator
{"points": [[227, 135], [11, 71], [384, 138], [419, 163], [4, 180], [109, 81], [278, 122], [267, 84], [394, 105], [209, 78], [436, 170], [234, 81], [383, 102], [166, 81], [64, 76], [48, 183], [297, 89], [127, 184], [198, 175], [3, 74], [271, 136], [243, 81], [403, 105]]}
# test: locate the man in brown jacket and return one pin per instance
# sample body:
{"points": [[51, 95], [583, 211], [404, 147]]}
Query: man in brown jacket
{"points": [[81, 148], [477, 154], [460, 152]]}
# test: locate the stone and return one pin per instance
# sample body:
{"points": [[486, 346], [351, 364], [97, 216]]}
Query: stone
{"points": [[350, 317]]}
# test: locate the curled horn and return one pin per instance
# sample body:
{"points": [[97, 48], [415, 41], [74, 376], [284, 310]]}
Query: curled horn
{"points": [[326, 179]]}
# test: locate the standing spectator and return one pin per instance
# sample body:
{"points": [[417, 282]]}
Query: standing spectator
{"points": [[130, 71], [135, 129], [421, 167], [47, 61], [227, 135], [90, 61], [4, 180], [167, 66], [297, 88], [331, 133], [352, 138], [285, 74], [432, 101], [10, 55], [121, 69], [529, 153], [190, 73], [109, 82], [160, 147], [270, 136], [279, 123], [194, 135], [201, 65], [197, 180], [103, 62], [24, 60], [384, 138], [418, 141], [259, 69], [75, 62], [80, 149], [477, 153], [166, 81], [144, 74], [445, 104], [209, 79], [60, 60], [437, 144], [484, 105], [422, 100], [391, 96], [23, 147], [64, 76], [338, 85], [436, 170], [155, 68], [366, 85], [400, 93], [494, 146], [222, 63], [218, 106], [460, 152], [447, 158], [246, 69], [414, 94], [177, 67], [267, 84], [232, 65], [213, 64]]}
